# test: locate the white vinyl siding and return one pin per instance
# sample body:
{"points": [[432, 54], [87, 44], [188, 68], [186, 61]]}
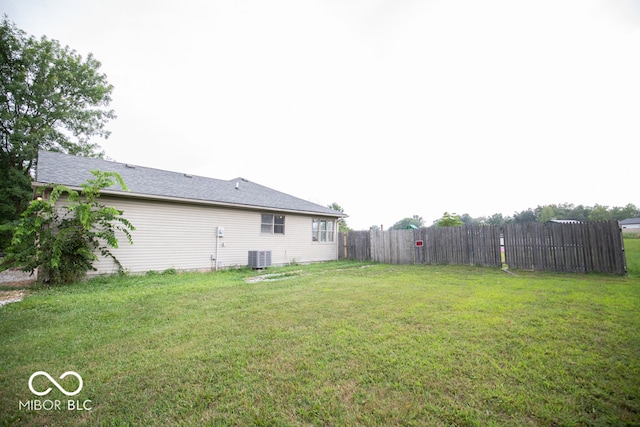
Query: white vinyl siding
{"points": [[183, 236]]}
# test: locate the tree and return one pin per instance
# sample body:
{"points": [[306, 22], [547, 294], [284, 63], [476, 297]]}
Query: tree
{"points": [[415, 221], [469, 220], [50, 98], [524, 217], [449, 220], [629, 211], [61, 240], [546, 214], [342, 224], [14, 195], [558, 211], [497, 219], [600, 213]]}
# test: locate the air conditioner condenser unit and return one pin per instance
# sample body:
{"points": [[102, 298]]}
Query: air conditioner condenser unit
{"points": [[259, 259]]}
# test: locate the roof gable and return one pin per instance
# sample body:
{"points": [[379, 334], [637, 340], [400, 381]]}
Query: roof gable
{"points": [[58, 168]]}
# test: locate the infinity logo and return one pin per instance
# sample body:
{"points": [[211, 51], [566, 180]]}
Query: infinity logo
{"points": [[42, 393]]}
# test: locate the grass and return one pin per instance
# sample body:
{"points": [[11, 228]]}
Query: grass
{"points": [[632, 252], [331, 344]]}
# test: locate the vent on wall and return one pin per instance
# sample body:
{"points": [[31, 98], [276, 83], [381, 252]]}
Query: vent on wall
{"points": [[259, 259]]}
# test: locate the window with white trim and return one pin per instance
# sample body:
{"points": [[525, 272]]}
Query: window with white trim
{"points": [[272, 224], [322, 230]]}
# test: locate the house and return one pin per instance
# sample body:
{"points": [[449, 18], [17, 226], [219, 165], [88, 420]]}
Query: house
{"points": [[630, 224], [188, 222]]}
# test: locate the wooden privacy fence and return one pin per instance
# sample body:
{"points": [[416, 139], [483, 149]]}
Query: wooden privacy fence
{"points": [[576, 248], [582, 248]]}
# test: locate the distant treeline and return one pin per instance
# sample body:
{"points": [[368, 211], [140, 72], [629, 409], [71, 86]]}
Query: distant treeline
{"points": [[562, 211]]}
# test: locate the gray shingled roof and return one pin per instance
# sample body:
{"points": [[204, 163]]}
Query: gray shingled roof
{"points": [[58, 168]]}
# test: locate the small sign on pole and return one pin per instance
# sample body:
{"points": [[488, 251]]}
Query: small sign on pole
{"points": [[419, 243]]}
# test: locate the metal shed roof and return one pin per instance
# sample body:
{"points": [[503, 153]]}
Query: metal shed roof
{"points": [[630, 221]]}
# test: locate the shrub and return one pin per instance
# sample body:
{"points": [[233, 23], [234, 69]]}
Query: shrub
{"points": [[62, 241]]}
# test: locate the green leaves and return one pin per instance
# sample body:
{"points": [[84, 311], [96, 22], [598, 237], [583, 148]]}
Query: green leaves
{"points": [[414, 222], [449, 220], [61, 234], [50, 98]]}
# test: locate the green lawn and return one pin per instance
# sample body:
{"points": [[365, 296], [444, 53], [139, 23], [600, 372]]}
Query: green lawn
{"points": [[330, 344], [632, 252]]}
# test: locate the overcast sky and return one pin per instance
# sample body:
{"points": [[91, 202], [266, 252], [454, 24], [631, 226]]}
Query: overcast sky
{"points": [[391, 108]]}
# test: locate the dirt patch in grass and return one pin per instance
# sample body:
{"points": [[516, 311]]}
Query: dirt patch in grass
{"points": [[272, 277], [7, 297]]}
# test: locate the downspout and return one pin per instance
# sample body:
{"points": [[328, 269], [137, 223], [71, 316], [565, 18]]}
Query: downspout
{"points": [[216, 260], [337, 246], [336, 237]]}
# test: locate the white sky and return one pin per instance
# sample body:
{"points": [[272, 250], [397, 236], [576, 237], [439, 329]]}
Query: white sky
{"points": [[391, 108]]}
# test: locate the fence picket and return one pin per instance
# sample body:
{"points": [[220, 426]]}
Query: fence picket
{"points": [[576, 248]]}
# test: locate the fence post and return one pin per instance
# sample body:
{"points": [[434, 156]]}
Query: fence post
{"points": [[585, 247]]}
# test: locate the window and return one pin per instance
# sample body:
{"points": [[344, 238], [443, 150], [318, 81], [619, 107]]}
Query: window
{"points": [[267, 224], [278, 224], [321, 230], [272, 224]]}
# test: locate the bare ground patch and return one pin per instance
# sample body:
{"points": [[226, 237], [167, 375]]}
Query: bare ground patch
{"points": [[272, 277], [7, 297]]}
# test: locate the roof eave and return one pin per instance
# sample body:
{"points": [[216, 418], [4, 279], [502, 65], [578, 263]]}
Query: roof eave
{"points": [[120, 193]]}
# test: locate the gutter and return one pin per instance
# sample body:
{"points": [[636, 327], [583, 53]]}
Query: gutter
{"points": [[125, 194]]}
